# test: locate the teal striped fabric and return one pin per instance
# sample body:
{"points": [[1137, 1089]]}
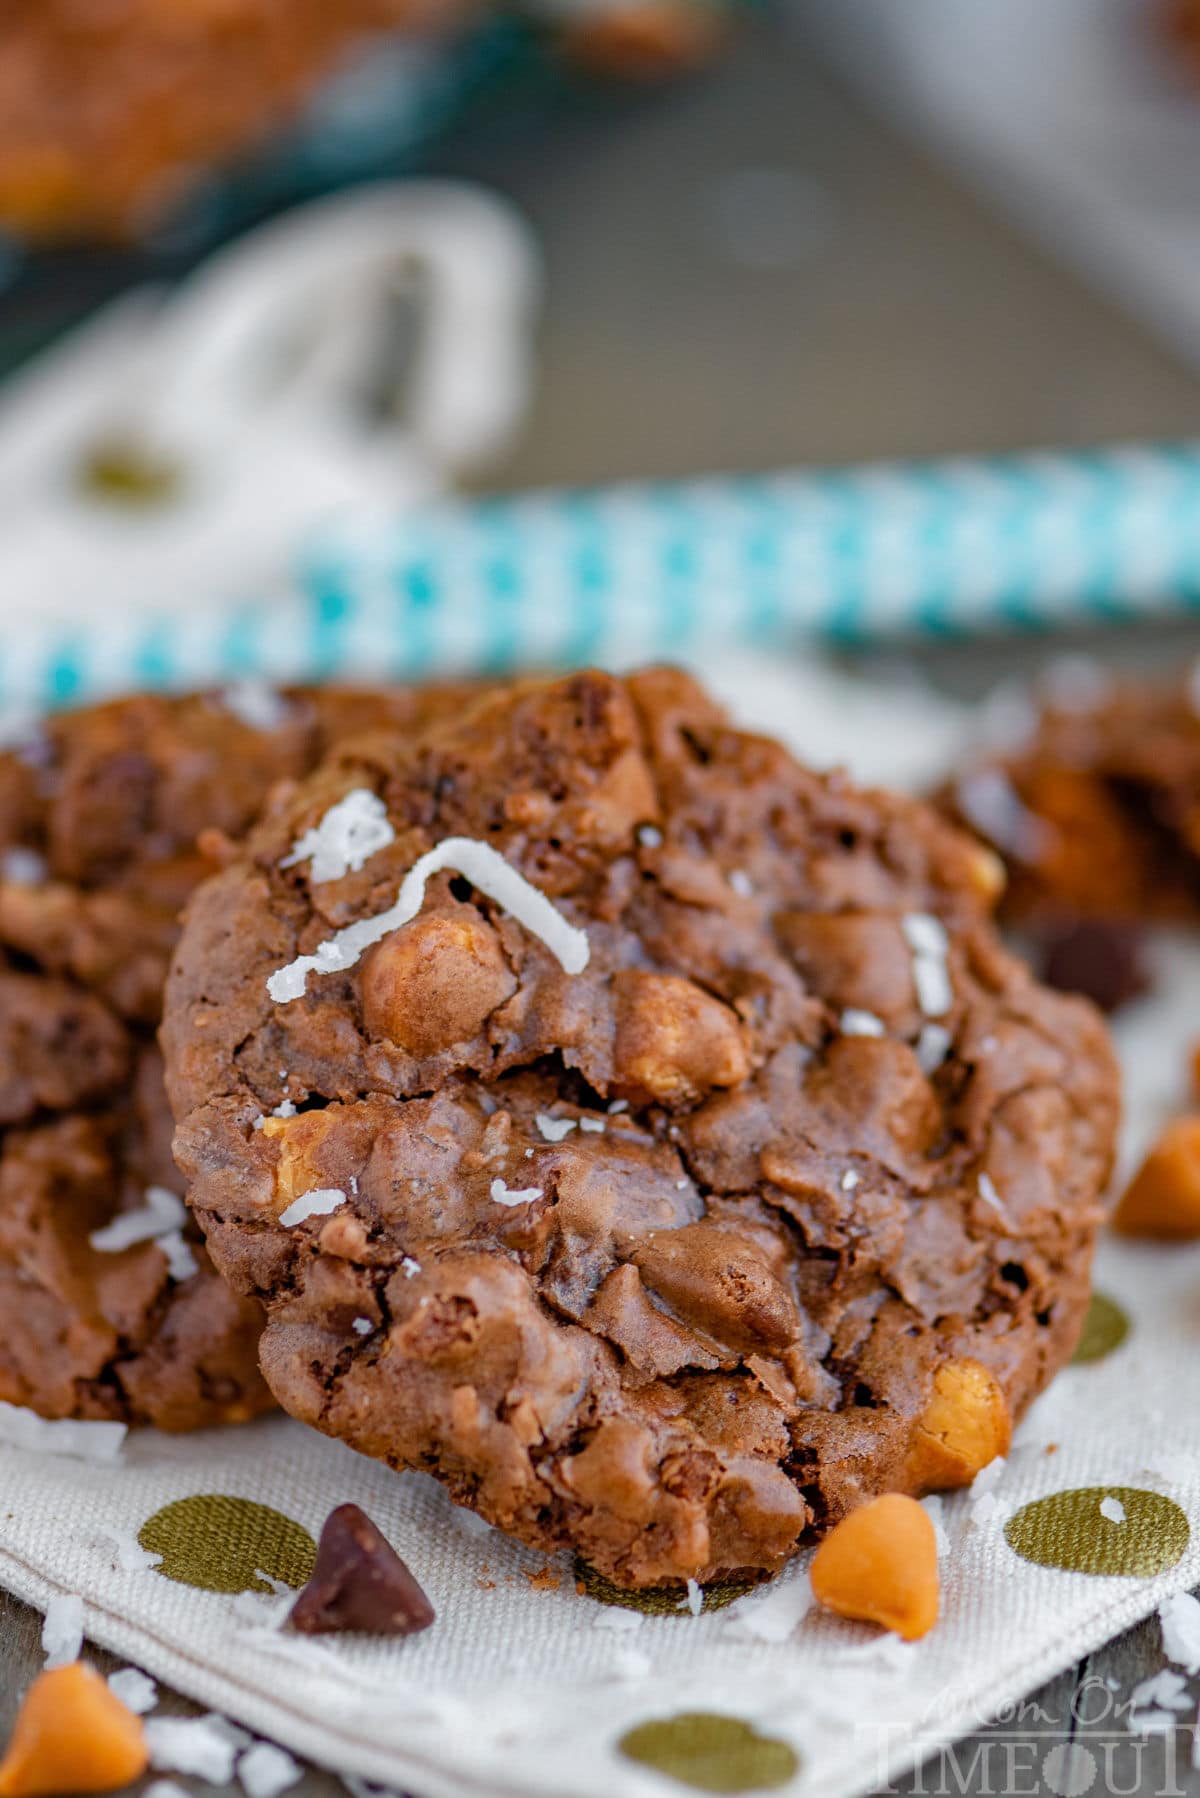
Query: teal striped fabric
{"points": [[871, 554]]}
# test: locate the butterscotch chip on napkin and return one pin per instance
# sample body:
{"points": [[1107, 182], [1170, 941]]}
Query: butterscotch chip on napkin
{"points": [[111, 1306], [671, 1156]]}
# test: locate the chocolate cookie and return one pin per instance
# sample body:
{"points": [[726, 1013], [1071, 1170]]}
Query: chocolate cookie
{"points": [[1095, 807], [651, 1138], [108, 818]]}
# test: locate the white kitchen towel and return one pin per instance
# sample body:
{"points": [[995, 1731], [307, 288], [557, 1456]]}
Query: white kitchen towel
{"points": [[525, 1685]]}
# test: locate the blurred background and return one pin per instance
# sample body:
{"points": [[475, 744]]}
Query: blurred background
{"points": [[665, 237]]}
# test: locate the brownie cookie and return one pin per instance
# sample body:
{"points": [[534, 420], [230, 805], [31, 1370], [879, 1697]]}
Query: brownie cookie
{"points": [[651, 1138], [1096, 807], [108, 818]]}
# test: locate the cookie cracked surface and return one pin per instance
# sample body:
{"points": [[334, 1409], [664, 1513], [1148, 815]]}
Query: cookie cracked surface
{"points": [[785, 1199], [103, 815]]}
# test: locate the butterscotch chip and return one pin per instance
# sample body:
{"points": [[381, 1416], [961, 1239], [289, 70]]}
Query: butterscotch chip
{"points": [[674, 1042], [72, 1734], [879, 1564], [1163, 1198], [963, 1426], [661, 1245], [435, 983]]}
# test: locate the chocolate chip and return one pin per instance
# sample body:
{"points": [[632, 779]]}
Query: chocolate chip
{"points": [[1101, 959], [359, 1583]]}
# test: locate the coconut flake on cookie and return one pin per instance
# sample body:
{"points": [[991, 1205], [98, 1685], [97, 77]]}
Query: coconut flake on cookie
{"points": [[477, 862], [163, 1212], [524, 1195], [349, 834], [553, 1129], [856, 1022], [317, 1203], [926, 937]]}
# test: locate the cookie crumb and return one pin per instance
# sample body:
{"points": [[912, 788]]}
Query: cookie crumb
{"points": [[544, 1580]]}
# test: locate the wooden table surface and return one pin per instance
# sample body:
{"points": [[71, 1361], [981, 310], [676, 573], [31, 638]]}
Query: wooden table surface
{"points": [[904, 320]]}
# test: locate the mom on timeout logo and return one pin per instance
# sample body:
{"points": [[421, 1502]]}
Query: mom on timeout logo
{"points": [[1102, 1746]]}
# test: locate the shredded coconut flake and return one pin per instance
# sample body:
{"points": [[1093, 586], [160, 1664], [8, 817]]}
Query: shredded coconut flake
{"points": [[925, 934], [741, 883], [265, 1771], [136, 1690], [931, 978], [362, 1326], [128, 1554], [181, 1258], [594, 1126], [553, 1129], [196, 1745], [23, 867], [850, 1179], [989, 1476], [1180, 1620], [317, 1203], [1113, 1509], [933, 1046], [523, 1195], [771, 1616], [926, 937], [985, 1510], [617, 1107], [681, 1186], [860, 1023], [695, 1597], [934, 1505], [1166, 1693], [62, 1629], [477, 862], [256, 704], [409, 1268], [162, 1212], [349, 834], [650, 837], [81, 1441], [284, 1109], [987, 1192]]}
